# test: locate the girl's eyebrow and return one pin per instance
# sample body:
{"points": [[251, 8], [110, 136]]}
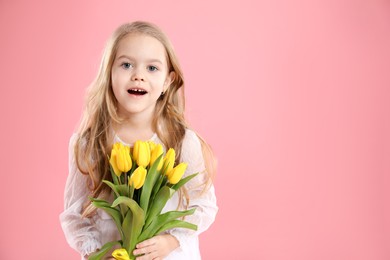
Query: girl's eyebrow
{"points": [[131, 58]]}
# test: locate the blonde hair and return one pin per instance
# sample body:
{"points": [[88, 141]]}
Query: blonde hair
{"points": [[95, 135]]}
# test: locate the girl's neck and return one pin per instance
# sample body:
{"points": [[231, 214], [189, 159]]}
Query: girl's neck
{"points": [[133, 129]]}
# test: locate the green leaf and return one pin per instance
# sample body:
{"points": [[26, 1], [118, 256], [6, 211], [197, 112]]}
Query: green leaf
{"points": [[114, 213], [183, 181], [158, 203], [127, 229], [119, 190], [150, 180], [113, 187], [157, 186], [137, 219], [100, 203], [176, 224], [104, 250], [158, 221], [132, 204]]}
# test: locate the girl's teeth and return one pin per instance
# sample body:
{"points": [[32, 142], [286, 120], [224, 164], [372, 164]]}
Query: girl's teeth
{"points": [[137, 91]]}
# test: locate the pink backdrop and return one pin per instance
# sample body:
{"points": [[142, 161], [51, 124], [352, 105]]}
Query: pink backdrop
{"points": [[292, 95]]}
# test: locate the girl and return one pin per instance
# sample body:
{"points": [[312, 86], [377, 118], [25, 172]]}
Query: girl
{"points": [[137, 95]]}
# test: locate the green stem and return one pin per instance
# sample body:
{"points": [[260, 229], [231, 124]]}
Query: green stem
{"points": [[131, 192]]}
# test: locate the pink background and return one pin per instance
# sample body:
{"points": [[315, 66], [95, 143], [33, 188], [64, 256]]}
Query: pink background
{"points": [[292, 95]]}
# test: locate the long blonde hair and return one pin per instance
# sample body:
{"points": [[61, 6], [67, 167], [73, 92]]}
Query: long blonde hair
{"points": [[95, 135]]}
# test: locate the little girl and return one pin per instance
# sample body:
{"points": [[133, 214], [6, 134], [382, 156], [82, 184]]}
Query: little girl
{"points": [[137, 95]]}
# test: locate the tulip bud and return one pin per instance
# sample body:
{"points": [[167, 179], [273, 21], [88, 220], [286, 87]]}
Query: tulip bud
{"points": [[123, 159], [176, 173], [113, 161], [156, 152], [120, 254], [169, 161], [137, 179], [152, 145], [120, 159], [141, 153], [136, 150]]}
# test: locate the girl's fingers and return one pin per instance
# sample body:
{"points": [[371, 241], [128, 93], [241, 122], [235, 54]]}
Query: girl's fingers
{"points": [[155, 248], [147, 249], [147, 242], [149, 256]]}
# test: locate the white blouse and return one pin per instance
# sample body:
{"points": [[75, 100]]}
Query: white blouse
{"points": [[86, 235]]}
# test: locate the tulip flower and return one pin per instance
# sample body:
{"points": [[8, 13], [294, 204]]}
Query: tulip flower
{"points": [[152, 145], [176, 173], [113, 162], [136, 149], [123, 159], [156, 152], [137, 179], [120, 159], [141, 153], [169, 161], [120, 254]]}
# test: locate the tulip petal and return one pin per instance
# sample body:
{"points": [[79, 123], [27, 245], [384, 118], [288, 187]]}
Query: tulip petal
{"points": [[136, 150], [120, 158], [175, 175], [121, 254], [137, 179], [169, 161], [157, 151], [152, 145], [113, 161], [144, 155]]}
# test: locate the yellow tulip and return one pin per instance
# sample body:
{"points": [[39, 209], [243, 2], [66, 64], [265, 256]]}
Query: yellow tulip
{"points": [[156, 152], [137, 179], [123, 159], [176, 173], [141, 153], [120, 254], [152, 145], [136, 149], [113, 162], [120, 159], [169, 161]]}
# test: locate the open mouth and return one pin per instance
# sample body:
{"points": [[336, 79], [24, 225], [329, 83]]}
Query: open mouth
{"points": [[137, 91]]}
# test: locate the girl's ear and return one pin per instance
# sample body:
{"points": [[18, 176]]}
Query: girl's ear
{"points": [[170, 78]]}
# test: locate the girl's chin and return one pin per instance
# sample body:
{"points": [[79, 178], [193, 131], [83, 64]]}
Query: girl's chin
{"points": [[130, 112]]}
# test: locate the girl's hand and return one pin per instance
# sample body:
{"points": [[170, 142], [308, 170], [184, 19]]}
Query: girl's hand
{"points": [[156, 248]]}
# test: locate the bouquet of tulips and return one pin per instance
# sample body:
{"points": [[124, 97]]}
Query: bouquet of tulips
{"points": [[143, 181]]}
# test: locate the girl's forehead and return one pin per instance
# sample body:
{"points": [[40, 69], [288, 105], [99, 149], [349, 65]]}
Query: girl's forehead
{"points": [[141, 46]]}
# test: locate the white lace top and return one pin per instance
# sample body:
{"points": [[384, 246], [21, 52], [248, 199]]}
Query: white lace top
{"points": [[86, 235]]}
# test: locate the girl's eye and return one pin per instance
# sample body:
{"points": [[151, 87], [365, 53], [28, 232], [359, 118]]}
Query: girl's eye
{"points": [[126, 65], [152, 68]]}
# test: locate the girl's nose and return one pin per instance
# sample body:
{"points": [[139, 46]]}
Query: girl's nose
{"points": [[137, 76]]}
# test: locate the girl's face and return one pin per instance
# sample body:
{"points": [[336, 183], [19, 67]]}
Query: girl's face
{"points": [[139, 75]]}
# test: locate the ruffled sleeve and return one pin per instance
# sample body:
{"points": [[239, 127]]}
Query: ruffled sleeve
{"points": [[80, 232], [204, 201]]}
